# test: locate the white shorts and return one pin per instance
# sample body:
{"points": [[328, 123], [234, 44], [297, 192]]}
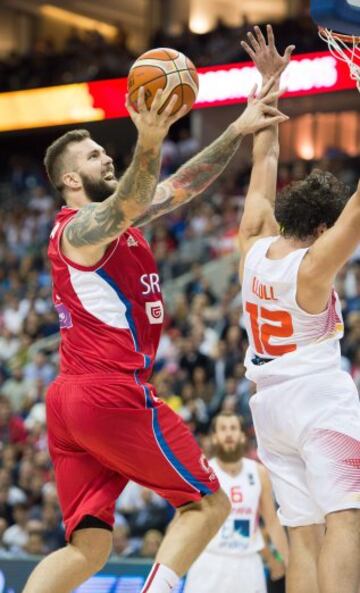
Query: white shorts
{"points": [[308, 432], [215, 573]]}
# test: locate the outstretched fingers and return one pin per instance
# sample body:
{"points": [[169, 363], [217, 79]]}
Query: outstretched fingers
{"points": [[129, 106], [170, 106], [260, 37], [253, 41], [273, 111], [270, 36], [274, 120], [179, 114], [288, 52], [248, 50], [156, 104], [252, 93], [271, 97], [140, 104]]}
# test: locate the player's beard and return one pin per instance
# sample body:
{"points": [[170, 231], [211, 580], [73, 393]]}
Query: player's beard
{"points": [[99, 190], [230, 455]]}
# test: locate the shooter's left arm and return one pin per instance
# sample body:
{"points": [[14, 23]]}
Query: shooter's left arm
{"points": [[200, 172], [195, 176]]}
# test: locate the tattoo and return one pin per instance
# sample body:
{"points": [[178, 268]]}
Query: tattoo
{"points": [[96, 224], [194, 177]]}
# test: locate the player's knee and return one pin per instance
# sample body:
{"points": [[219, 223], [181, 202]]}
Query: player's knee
{"points": [[307, 538], [95, 546], [347, 521]]}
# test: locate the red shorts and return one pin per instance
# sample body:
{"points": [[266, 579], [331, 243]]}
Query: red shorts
{"points": [[103, 433]]}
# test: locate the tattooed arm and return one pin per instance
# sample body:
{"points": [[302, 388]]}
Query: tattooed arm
{"points": [[193, 177], [97, 224], [198, 173]]}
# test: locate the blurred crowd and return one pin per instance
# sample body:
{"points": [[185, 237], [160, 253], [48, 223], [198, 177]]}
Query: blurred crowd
{"points": [[199, 368], [90, 56]]}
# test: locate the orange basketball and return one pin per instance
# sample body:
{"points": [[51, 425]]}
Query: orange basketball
{"points": [[165, 69]]}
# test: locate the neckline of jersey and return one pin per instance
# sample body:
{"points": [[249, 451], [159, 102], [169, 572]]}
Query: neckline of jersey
{"points": [[272, 240]]}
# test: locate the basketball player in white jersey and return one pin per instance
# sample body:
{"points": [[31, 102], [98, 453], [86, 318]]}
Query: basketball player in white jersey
{"points": [[306, 410], [232, 560]]}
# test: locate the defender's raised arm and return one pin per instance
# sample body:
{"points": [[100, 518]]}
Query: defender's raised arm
{"points": [[258, 218]]}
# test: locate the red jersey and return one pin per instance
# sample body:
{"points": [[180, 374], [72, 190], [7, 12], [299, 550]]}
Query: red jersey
{"points": [[111, 314]]}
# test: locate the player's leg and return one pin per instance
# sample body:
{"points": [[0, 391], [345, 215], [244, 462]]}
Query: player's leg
{"points": [[194, 526], [142, 438], [64, 570], [192, 529], [297, 509], [301, 573], [87, 493], [331, 451], [339, 565]]}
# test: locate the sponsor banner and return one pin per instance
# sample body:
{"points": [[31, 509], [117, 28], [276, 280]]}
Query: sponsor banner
{"points": [[127, 576], [307, 74]]}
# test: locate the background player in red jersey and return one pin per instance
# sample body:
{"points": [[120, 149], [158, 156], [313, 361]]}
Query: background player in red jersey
{"points": [[105, 423], [306, 410]]}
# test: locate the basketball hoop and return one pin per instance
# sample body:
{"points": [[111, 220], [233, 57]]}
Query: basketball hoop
{"points": [[345, 48]]}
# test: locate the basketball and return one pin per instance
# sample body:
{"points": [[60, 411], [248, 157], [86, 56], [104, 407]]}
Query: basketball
{"points": [[166, 69]]}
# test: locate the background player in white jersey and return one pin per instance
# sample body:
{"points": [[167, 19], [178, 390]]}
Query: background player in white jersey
{"points": [[306, 411], [232, 560]]}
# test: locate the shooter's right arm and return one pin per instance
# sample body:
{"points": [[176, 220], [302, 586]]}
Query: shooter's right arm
{"points": [[97, 224]]}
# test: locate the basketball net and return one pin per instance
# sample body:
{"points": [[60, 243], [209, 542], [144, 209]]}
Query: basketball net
{"points": [[345, 48]]}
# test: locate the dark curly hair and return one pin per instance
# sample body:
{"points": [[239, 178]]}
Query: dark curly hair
{"points": [[302, 206]]}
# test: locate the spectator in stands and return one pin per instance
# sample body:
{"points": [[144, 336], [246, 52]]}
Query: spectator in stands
{"points": [[9, 344], [54, 534], [18, 390], [122, 547], [16, 536], [12, 429], [8, 475], [35, 544], [4, 553], [5, 508], [143, 509], [40, 369], [151, 544]]}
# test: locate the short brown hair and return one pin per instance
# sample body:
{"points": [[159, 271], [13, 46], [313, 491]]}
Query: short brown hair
{"points": [[53, 159], [226, 414], [302, 206]]}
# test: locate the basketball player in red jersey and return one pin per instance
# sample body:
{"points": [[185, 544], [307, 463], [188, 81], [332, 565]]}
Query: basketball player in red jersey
{"points": [[306, 410], [105, 423]]}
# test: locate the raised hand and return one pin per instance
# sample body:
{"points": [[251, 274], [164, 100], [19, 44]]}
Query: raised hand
{"points": [[265, 55], [152, 125], [260, 113]]}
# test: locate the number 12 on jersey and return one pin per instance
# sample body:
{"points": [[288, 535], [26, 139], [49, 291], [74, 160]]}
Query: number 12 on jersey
{"points": [[280, 326]]}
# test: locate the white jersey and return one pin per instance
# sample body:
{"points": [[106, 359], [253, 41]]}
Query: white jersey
{"points": [[297, 343], [240, 534]]}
